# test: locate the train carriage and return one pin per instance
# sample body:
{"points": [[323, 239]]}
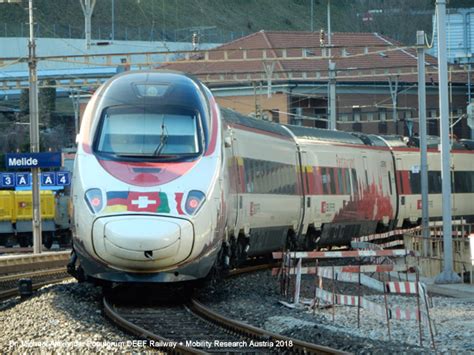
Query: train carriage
{"points": [[266, 188], [408, 177], [348, 194]]}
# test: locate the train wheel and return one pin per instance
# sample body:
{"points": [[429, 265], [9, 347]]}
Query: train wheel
{"points": [[238, 250], [291, 241], [24, 240], [311, 239], [48, 240]]}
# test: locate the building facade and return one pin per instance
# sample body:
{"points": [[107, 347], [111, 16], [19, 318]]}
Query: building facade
{"points": [[284, 77]]}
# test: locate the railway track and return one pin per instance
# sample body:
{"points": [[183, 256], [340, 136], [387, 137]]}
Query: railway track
{"points": [[42, 269], [9, 284], [192, 328]]}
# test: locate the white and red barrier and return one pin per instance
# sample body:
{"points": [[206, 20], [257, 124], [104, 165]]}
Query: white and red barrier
{"points": [[326, 271], [397, 313], [344, 254], [355, 274], [409, 288], [372, 237], [404, 313]]}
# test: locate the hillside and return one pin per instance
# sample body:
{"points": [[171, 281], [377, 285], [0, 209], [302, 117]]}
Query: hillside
{"points": [[220, 20]]}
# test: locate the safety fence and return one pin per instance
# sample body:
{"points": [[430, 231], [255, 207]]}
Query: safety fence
{"points": [[431, 252], [291, 270], [122, 33], [388, 239]]}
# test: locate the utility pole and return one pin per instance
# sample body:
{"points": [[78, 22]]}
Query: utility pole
{"points": [[329, 27], [113, 21], [76, 104], [332, 96], [332, 76], [394, 95], [420, 42], [87, 9], [34, 133], [447, 275], [269, 74], [312, 15]]}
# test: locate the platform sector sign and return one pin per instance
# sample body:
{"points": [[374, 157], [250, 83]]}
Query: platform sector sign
{"points": [[23, 179]]}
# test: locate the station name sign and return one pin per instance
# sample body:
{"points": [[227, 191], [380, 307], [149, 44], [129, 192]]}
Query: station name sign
{"points": [[32, 160]]}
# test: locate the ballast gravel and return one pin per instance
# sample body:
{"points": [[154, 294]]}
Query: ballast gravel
{"points": [[255, 299], [67, 318], [61, 318]]}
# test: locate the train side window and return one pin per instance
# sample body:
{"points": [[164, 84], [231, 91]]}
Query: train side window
{"points": [[324, 180], [434, 182], [332, 181], [415, 183], [340, 181], [348, 181], [390, 183], [257, 176], [462, 182], [248, 174], [355, 183]]}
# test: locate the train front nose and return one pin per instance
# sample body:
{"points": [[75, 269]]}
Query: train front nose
{"points": [[142, 243]]}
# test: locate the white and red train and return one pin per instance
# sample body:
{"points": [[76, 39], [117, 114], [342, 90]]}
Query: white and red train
{"points": [[167, 185]]}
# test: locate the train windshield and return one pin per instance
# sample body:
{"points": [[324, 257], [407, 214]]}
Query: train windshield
{"points": [[153, 132]]}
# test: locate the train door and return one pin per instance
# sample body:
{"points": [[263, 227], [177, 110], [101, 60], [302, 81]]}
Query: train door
{"points": [[366, 172], [232, 178], [402, 206], [392, 186], [236, 178], [306, 202]]}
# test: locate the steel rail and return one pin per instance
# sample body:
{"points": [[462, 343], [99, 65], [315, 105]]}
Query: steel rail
{"points": [[13, 292], [143, 333], [299, 346], [222, 322]]}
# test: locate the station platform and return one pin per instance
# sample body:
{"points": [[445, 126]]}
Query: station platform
{"points": [[460, 290]]}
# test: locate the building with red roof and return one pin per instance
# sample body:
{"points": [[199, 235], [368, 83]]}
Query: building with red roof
{"points": [[283, 76]]}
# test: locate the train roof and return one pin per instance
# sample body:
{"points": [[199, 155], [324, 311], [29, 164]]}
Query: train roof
{"points": [[324, 135], [435, 141], [234, 117], [371, 139], [356, 138]]}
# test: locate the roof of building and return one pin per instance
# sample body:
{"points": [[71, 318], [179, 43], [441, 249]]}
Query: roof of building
{"points": [[358, 57]]}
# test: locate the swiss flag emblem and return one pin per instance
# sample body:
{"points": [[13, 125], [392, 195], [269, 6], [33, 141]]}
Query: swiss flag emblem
{"points": [[143, 201]]}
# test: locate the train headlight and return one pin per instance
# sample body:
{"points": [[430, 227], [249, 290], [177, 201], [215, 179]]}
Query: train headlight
{"points": [[194, 201], [94, 200]]}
